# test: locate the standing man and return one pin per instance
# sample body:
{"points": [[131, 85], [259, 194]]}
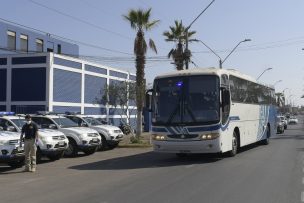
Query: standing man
{"points": [[30, 132]]}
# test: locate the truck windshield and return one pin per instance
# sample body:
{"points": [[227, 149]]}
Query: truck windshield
{"points": [[19, 122], [65, 122], [186, 100], [92, 121]]}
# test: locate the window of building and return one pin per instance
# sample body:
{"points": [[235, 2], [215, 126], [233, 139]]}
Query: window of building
{"points": [[24, 43], [59, 48], [39, 45], [11, 40]]}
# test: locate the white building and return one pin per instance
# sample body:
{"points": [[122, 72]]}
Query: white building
{"points": [[15, 38], [48, 81]]}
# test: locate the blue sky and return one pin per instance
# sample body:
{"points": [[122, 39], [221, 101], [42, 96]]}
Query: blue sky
{"points": [[274, 26]]}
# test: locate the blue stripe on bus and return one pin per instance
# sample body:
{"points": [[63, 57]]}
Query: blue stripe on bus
{"points": [[175, 130]]}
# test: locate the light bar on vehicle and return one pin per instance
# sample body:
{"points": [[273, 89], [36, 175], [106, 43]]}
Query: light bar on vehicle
{"points": [[4, 113]]}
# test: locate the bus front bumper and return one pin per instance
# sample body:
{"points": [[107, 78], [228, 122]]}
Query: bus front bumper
{"points": [[206, 146]]}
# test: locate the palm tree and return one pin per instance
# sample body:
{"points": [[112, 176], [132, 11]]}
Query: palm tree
{"points": [[177, 34], [140, 22]]}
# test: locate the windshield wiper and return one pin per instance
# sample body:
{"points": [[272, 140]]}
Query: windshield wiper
{"points": [[172, 115], [190, 112]]}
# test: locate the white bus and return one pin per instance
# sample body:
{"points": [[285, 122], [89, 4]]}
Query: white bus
{"points": [[210, 111]]}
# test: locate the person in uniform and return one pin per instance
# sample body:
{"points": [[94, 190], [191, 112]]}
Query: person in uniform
{"points": [[30, 132]]}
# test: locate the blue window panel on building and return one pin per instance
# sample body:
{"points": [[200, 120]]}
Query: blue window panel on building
{"points": [[67, 86], [3, 84], [118, 74], [2, 108], [95, 69], [132, 111], [132, 77], [28, 84], [132, 102], [95, 111], [29, 60], [116, 121], [27, 109], [118, 111], [94, 89], [63, 109], [133, 122], [3, 61], [67, 63]]}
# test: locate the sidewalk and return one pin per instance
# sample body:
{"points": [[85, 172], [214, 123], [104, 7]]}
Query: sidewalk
{"points": [[145, 137]]}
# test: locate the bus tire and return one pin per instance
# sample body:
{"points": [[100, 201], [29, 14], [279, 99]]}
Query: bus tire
{"points": [[266, 140], [235, 145]]}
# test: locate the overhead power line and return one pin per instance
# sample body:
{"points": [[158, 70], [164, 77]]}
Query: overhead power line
{"points": [[67, 39], [79, 19]]}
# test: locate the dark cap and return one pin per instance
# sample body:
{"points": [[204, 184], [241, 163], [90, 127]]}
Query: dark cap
{"points": [[28, 116]]}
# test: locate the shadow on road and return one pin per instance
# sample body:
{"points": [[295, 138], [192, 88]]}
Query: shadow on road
{"points": [[147, 160], [284, 137]]}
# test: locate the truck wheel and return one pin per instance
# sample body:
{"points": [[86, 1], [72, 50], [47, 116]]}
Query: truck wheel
{"points": [[112, 146], [56, 156], [16, 164], [103, 145], [90, 151], [72, 149], [38, 155]]}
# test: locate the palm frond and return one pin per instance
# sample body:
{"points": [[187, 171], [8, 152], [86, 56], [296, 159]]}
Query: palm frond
{"points": [[152, 45]]}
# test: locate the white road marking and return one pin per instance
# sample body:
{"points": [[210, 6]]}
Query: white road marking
{"points": [[189, 166], [302, 196]]}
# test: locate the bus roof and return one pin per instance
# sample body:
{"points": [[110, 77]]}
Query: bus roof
{"points": [[210, 71]]}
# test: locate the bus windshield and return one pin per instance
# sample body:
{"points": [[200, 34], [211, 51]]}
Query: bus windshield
{"points": [[186, 100]]}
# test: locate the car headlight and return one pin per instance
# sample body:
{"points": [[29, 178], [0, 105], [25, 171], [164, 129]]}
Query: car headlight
{"points": [[82, 136], [159, 137], [210, 136], [44, 139], [3, 142]]}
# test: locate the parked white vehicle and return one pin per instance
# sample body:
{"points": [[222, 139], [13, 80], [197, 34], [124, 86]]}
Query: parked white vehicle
{"points": [[80, 138], [110, 135], [51, 143], [293, 120], [10, 151], [284, 120]]}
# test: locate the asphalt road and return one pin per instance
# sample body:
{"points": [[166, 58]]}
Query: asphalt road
{"points": [[259, 174]]}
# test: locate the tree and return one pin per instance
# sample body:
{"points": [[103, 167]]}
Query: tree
{"points": [[120, 95], [177, 35], [140, 22]]}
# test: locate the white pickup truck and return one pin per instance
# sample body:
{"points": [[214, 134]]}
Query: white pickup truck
{"points": [[51, 143], [80, 138], [110, 135], [10, 151]]}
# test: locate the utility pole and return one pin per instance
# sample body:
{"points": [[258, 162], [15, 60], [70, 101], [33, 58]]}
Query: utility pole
{"points": [[187, 51]]}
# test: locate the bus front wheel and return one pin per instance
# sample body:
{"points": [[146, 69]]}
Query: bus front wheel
{"points": [[234, 149]]}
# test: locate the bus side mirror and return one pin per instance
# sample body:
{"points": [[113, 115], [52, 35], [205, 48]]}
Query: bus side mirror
{"points": [[225, 98], [149, 99]]}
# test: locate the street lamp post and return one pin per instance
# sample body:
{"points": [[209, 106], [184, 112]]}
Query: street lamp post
{"points": [[187, 52], [267, 69], [277, 82], [221, 61]]}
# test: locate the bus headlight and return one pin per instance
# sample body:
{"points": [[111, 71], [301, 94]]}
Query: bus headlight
{"points": [[159, 137], [210, 136]]}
